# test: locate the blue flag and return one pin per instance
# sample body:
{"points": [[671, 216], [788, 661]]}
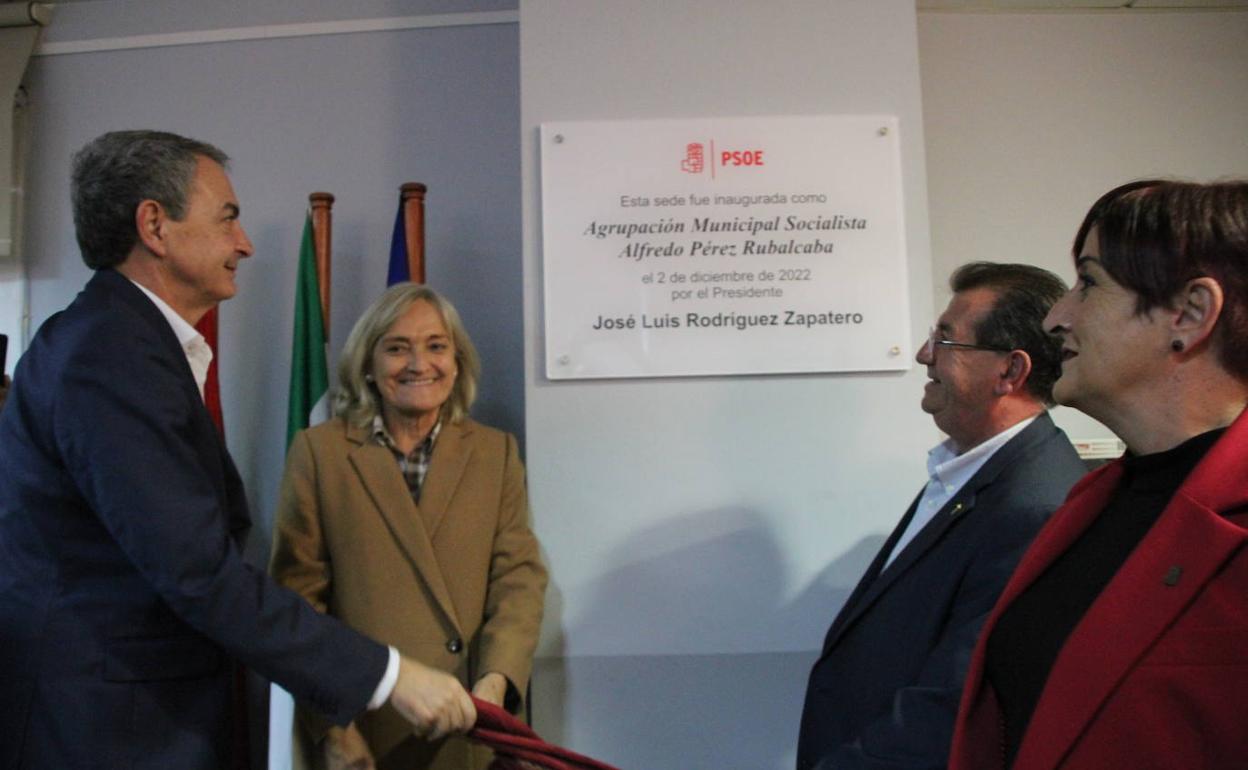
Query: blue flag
{"points": [[399, 270]]}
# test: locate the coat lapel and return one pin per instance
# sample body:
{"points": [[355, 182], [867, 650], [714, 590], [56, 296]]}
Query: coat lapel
{"points": [[931, 534], [954, 511], [378, 472], [958, 506], [211, 448], [1172, 564], [451, 454]]}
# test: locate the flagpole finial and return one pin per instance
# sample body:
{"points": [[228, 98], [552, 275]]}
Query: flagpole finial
{"points": [[412, 189]]}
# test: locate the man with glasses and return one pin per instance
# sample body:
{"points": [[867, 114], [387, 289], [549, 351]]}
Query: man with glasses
{"points": [[885, 689]]}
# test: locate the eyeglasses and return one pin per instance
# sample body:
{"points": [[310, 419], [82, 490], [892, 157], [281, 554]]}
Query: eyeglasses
{"points": [[934, 342]]}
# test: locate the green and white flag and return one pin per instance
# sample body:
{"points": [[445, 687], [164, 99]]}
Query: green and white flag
{"points": [[309, 372]]}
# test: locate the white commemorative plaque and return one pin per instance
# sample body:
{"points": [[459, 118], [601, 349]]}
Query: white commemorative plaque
{"points": [[723, 246]]}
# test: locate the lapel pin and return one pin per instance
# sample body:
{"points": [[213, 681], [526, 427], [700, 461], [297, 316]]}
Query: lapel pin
{"points": [[1172, 575], [957, 508]]}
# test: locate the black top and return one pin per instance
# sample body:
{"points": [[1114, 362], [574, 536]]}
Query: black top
{"points": [[1030, 633]]}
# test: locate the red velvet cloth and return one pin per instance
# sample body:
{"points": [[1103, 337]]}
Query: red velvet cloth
{"points": [[517, 747]]}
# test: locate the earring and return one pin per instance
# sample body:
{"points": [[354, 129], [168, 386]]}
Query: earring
{"points": [[368, 378], [1176, 346]]}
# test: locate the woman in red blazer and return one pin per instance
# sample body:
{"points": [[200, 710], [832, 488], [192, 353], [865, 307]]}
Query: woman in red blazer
{"points": [[1121, 641]]}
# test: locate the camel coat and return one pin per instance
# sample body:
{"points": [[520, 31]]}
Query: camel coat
{"points": [[455, 582]]}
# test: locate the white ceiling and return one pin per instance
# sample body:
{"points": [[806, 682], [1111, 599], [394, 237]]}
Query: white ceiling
{"points": [[1027, 5]]}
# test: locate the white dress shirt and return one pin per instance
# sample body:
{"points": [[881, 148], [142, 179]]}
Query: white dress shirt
{"points": [[198, 354]]}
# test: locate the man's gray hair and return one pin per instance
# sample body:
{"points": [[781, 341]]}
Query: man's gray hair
{"points": [[115, 172]]}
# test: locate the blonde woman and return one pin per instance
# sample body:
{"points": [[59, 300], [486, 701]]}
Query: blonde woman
{"points": [[409, 520]]}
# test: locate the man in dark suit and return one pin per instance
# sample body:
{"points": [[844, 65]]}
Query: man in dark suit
{"points": [[884, 691], [124, 600]]}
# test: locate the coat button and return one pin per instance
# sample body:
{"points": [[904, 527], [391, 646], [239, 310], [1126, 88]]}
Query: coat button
{"points": [[454, 646]]}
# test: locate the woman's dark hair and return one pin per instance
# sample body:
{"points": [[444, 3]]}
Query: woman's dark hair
{"points": [[1156, 235]]}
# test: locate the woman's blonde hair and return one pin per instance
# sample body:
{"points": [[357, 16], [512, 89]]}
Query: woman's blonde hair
{"points": [[356, 399]]}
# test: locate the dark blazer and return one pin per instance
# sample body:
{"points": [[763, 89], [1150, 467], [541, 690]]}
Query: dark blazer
{"points": [[884, 691], [124, 598], [1155, 675]]}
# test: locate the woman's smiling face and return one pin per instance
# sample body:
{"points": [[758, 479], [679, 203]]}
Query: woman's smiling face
{"points": [[413, 364]]}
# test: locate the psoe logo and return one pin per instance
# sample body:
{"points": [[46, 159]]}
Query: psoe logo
{"points": [[696, 158], [741, 158]]}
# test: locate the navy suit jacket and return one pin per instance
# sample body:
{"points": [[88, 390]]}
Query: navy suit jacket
{"points": [[884, 691], [124, 598]]}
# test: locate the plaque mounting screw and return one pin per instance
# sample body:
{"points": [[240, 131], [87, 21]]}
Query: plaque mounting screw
{"points": [[558, 138], [895, 350], [883, 131], [564, 360]]}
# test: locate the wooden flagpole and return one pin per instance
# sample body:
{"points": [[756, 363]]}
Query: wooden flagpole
{"points": [[322, 237], [412, 196]]}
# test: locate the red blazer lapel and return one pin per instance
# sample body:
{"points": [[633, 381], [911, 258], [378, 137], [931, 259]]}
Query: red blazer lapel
{"points": [[977, 736], [1180, 554]]}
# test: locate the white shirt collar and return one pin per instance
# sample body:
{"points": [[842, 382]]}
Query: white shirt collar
{"points": [[194, 346], [953, 469]]}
